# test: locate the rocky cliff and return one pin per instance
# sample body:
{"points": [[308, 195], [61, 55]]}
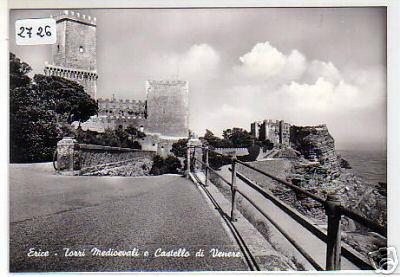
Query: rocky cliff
{"points": [[313, 164], [316, 144], [320, 170]]}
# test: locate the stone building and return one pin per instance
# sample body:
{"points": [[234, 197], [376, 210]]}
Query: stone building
{"points": [[284, 133], [277, 131], [269, 130], [114, 113], [255, 128], [167, 108], [74, 54], [164, 116]]}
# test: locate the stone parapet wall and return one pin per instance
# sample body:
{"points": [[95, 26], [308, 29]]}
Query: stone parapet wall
{"points": [[77, 159], [233, 151]]}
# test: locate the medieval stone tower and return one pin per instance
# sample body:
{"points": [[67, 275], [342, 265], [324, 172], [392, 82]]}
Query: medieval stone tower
{"points": [[167, 108], [74, 54]]}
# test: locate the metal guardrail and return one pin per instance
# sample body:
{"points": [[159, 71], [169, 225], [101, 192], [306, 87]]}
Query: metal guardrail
{"points": [[332, 205]]}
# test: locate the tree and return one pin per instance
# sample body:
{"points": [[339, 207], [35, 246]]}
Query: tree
{"points": [[123, 137], [33, 129], [215, 141], [238, 137], [33, 135], [39, 110], [118, 138], [110, 138], [179, 148], [18, 73], [172, 164], [65, 97]]}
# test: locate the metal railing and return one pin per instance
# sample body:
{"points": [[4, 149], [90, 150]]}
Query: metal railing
{"points": [[332, 205]]}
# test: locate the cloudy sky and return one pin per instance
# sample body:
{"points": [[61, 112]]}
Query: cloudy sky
{"points": [[306, 66]]}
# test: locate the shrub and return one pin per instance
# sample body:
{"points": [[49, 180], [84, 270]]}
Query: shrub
{"points": [[179, 148], [117, 138], [172, 164], [254, 151], [163, 166], [216, 161]]}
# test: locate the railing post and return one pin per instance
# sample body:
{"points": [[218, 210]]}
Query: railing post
{"points": [[206, 169], [187, 172], [333, 243], [233, 211]]}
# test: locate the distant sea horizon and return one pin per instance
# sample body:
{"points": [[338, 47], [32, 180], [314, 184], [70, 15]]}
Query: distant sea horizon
{"points": [[371, 165]]}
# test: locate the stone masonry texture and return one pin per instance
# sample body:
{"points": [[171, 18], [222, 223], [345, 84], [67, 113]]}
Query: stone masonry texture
{"points": [[74, 158], [74, 54], [167, 108]]}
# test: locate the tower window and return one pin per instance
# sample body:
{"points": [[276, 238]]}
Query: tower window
{"points": [[58, 47], [80, 49]]}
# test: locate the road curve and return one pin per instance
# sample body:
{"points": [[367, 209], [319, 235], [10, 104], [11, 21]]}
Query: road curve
{"points": [[52, 213]]}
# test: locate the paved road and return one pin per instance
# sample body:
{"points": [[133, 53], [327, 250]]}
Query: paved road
{"points": [[50, 212]]}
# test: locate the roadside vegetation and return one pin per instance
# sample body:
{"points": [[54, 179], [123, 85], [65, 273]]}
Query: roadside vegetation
{"points": [[40, 108]]}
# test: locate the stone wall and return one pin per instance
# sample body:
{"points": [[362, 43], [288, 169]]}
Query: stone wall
{"points": [[233, 151], [76, 37], [122, 108], [79, 159], [74, 54]]}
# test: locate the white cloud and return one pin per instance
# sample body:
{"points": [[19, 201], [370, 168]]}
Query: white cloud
{"points": [[266, 83], [199, 62], [327, 70], [265, 62], [269, 84]]}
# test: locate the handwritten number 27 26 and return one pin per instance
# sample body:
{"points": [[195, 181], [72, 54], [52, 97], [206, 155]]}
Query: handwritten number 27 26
{"points": [[41, 32]]}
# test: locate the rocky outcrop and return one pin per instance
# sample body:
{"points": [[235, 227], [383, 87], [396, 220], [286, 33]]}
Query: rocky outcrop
{"points": [[318, 169], [356, 194], [316, 144], [286, 153]]}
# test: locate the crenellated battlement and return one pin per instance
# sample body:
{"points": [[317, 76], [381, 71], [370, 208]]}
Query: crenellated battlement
{"points": [[121, 101], [166, 82], [76, 16], [71, 73], [74, 54]]}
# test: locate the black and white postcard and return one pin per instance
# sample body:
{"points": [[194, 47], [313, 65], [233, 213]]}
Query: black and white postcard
{"points": [[198, 139]]}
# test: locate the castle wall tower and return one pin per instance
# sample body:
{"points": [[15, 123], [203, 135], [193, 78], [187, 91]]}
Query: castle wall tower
{"points": [[167, 108], [74, 54]]}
